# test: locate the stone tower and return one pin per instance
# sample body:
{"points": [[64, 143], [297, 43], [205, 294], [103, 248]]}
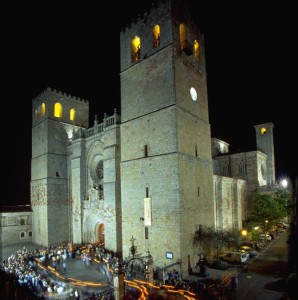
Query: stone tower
{"points": [[54, 117], [166, 164], [265, 143]]}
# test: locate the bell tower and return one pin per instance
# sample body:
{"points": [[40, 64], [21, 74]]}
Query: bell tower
{"points": [[55, 116], [165, 130], [265, 143]]}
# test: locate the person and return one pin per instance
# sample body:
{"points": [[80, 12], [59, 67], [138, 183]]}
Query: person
{"points": [[234, 283], [64, 266], [77, 295]]}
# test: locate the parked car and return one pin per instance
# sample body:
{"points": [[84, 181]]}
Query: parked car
{"points": [[251, 251], [235, 257], [283, 225], [265, 237], [254, 245]]}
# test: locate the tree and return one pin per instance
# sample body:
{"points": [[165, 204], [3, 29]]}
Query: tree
{"points": [[206, 236], [271, 207]]}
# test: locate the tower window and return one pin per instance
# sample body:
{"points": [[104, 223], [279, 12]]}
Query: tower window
{"points": [[58, 174], [146, 233], [147, 192], [156, 36], [58, 110], [146, 150], [135, 49], [72, 114], [196, 50], [182, 36], [43, 110]]}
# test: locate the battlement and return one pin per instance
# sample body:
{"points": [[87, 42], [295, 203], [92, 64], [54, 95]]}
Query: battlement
{"points": [[143, 13], [60, 95]]}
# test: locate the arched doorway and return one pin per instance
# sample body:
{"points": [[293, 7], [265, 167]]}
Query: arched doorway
{"points": [[101, 234]]}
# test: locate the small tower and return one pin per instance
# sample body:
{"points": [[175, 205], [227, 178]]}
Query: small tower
{"points": [[265, 143], [55, 116]]}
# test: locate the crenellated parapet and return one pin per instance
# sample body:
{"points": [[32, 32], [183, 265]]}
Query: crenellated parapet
{"points": [[59, 94], [166, 24], [56, 105]]}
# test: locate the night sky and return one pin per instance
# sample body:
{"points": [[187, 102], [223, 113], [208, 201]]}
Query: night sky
{"points": [[250, 67]]}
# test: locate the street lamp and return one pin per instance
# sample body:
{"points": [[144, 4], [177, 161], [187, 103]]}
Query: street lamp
{"points": [[266, 226], [244, 233], [284, 183]]}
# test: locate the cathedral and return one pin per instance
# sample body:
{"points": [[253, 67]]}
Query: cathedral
{"points": [[149, 177]]}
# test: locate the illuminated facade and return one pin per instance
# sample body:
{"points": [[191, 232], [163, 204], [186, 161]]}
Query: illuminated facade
{"points": [[155, 173]]}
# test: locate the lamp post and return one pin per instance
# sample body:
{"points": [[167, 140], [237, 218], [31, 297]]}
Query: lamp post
{"points": [[266, 226]]}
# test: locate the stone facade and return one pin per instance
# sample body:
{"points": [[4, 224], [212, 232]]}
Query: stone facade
{"points": [[15, 225], [153, 175]]}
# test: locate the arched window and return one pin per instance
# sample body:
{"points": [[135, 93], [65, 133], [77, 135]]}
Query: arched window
{"points": [[242, 168], [30, 233], [135, 49], [156, 36], [58, 110], [35, 114], [22, 234], [226, 169], [182, 37], [43, 110], [72, 114], [196, 50]]}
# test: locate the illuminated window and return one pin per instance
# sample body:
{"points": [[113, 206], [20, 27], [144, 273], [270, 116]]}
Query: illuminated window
{"points": [[182, 36], [72, 114], [58, 110], [196, 50], [135, 49], [43, 110], [263, 130], [156, 36]]}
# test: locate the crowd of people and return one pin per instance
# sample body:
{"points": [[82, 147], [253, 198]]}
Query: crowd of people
{"points": [[31, 271]]}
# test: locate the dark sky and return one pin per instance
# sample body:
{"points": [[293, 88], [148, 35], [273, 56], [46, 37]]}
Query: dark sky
{"points": [[250, 69]]}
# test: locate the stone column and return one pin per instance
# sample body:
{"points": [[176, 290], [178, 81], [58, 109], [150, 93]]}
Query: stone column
{"points": [[118, 281]]}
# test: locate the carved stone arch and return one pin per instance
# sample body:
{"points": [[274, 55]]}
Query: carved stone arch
{"points": [[100, 233], [92, 220]]}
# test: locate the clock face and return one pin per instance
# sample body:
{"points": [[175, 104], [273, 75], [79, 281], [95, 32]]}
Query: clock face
{"points": [[193, 94]]}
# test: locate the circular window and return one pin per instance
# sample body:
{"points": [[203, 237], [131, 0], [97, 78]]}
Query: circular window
{"points": [[193, 94], [96, 170]]}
